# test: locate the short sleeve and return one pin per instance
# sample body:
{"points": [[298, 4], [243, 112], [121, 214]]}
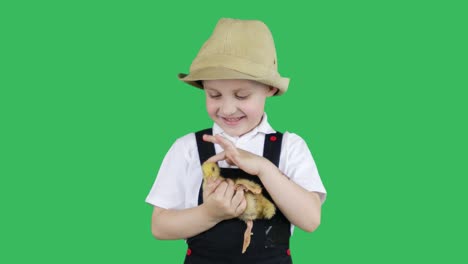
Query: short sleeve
{"points": [[168, 189], [300, 166]]}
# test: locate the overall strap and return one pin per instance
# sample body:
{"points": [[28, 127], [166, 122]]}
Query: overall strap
{"points": [[272, 147], [205, 149]]}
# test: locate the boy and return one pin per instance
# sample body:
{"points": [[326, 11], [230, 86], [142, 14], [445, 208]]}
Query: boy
{"points": [[237, 69]]}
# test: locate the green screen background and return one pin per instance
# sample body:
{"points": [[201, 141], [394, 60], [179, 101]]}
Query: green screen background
{"points": [[90, 104]]}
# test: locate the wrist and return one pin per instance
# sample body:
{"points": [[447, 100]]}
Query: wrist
{"points": [[211, 216], [266, 168]]}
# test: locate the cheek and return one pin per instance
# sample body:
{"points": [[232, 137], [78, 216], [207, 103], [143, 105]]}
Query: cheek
{"points": [[254, 107], [211, 107]]}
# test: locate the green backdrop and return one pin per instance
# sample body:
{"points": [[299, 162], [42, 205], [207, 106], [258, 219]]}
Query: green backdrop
{"points": [[90, 103]]}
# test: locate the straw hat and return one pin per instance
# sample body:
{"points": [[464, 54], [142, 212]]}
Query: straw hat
{"points": [[237, 49]]}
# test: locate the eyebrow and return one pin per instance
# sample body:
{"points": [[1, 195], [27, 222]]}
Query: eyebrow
{"points": [[235, 91], [211, 89]]}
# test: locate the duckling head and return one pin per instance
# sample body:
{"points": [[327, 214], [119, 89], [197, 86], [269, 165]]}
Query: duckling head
{"points": [[210, 170]]}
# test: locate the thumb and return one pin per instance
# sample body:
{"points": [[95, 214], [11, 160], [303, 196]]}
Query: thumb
{"points": [[211, 185]]}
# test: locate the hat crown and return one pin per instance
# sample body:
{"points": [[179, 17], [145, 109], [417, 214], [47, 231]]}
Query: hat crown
{"points": [[237, 49], [249, 40]]}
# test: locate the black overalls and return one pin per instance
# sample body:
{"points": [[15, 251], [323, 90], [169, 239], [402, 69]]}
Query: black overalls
{"points": [[223, 243]]}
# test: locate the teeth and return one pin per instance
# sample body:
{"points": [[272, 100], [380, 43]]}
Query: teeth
{"points": [[233, 119]]}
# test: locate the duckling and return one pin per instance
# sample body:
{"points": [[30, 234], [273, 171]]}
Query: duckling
{"points": [[258, 207]]}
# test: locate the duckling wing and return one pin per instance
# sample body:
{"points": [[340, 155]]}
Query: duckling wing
{"points": [[248, 185]]}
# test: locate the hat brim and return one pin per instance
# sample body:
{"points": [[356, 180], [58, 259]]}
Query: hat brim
{"points": [[221, 73]]}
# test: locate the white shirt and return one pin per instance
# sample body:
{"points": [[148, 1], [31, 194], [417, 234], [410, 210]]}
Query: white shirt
{"points": [[180, 176]]}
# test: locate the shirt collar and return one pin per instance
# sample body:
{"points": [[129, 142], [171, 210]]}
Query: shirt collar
{"points": [[264, 127]]}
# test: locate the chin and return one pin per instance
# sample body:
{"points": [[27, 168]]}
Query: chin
{"points": [[237, 132], [233, 133]]}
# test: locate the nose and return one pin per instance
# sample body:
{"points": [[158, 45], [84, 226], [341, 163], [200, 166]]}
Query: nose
{"points": [[228, 108]]}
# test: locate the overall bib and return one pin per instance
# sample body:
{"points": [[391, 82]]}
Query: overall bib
{"points": [[223, 242]]}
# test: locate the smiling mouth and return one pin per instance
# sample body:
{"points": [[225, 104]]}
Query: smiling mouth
{"points": [[231, 120]]}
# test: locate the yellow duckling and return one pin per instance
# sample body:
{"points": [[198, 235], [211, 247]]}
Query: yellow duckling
{"points": [[258, 207]]}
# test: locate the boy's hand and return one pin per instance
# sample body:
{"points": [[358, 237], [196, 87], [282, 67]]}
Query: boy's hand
{"points": [[222, 200], [246, 161]]}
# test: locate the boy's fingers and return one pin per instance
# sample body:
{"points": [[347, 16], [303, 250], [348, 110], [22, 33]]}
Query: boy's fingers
{"points": [[220, 140], [230, 189], [211, 187], [241, 208], [227, 146], [217, 182], [221, 189], [224, 142], [213, 184], [238, 197], [217, 157], [210, 138]]}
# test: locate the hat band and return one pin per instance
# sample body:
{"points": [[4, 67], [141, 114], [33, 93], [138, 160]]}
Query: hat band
{"points": [[235, 63]]}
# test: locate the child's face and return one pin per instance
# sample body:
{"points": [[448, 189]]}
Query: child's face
{"points": [[237, 106]]}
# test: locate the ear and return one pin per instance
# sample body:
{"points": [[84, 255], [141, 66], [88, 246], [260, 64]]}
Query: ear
{"points": [[272, 91]]}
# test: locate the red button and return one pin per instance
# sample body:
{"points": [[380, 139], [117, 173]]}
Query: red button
{"points": [[189, 252], [288, 252], [273, 138]]}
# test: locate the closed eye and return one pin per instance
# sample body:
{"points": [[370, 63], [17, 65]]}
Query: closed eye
{"points": [[241, 97]]}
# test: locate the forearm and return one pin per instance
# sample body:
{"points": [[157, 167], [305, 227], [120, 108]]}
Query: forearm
{"points": [[180, 224], [301, 207]]}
